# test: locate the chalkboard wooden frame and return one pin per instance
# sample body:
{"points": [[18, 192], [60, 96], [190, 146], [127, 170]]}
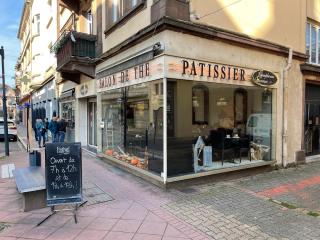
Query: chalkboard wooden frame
{"points": [[63, 153]]}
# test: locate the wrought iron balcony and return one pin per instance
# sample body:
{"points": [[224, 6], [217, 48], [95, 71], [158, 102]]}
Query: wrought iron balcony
{"points": [[75, 54]]}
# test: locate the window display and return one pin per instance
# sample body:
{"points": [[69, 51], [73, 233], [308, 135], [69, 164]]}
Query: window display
{"points": [[217, 126], [133, 131]]}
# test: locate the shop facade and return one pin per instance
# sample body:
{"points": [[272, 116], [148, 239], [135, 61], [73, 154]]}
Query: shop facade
{"points": [[67, 106], [44, 102], [176, 114], [86, 114], [311, 110]]}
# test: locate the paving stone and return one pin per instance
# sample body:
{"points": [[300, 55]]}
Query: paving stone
{"points": [[91, 234], [40, 232], [64, 234], [235, 212], [119, 236], [152, 228], [102, 224], [127, 225]]}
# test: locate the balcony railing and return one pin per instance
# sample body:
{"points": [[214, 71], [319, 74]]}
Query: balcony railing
{"points": [[74, 46], [75, 54]]}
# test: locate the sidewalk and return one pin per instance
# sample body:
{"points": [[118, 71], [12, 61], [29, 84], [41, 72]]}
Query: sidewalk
{"points": [[22, 137], [281, 204], [122, 207]]}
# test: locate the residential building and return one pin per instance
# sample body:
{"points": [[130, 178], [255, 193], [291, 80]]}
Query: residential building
{"points": [[11, 102], [23, 66], [44, 24], [75, 50], [193, 88], [36, 65], [179, 89]]}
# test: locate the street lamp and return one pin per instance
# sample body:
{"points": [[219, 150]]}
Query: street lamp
{"points": [[4, 103]]}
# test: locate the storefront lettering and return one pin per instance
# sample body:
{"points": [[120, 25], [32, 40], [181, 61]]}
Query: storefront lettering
{"points": [[142, 71], [124, 76], [137, 72], [215, 71], [107, 81]]}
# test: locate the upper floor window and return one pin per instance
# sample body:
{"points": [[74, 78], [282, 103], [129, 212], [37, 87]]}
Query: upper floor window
{"points": [[37, 24], [117, 9], [89, 22], [313, 43]]}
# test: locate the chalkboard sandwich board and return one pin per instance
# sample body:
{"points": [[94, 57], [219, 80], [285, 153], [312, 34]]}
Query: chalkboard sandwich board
{"points": [[63, 173]]}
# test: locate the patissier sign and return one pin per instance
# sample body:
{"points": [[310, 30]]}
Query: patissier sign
{"points": [[172, 67]]}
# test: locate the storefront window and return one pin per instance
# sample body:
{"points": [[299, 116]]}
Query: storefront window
{"points": [[133, 130], [67, 113], [213, 126], [312, 120], [200, 104]]}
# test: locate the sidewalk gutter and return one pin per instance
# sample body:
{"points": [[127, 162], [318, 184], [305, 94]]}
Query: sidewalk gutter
{"points": [[24, 144]]}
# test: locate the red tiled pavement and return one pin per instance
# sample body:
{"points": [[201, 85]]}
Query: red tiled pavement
{"points": [[135, 212], [285, 188], [91, 234], [119, 236]]}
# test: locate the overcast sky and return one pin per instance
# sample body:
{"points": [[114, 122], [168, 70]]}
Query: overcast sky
{"points": [[9, 24]]}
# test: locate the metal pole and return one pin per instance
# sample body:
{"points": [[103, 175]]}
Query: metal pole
{"points": [[4, 102], [28, 139], [165, 126]]}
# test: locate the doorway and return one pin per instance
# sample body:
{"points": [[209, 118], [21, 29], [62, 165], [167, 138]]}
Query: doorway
{"points": [[92, 122], [312, 120]]}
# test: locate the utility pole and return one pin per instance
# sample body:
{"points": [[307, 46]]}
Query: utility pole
{"points": [[4, 102]]}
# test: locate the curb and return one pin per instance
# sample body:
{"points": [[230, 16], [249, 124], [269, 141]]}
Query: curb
{"points": [[22, 142]]}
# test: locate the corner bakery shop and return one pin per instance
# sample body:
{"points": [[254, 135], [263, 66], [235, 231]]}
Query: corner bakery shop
{"points": [[174, 118]]}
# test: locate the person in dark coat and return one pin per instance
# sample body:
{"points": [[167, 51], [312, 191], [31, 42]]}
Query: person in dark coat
{"points": [[53, 127], [62, 129], [46, 126]]}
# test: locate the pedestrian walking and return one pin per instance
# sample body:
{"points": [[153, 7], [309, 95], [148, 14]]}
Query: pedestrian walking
{"points": [[62, 129], [40, 132], [35, 131], [53, 128], [46, 126]]}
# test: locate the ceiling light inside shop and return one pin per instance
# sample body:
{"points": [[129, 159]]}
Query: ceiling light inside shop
{"points": [[222, 101]]}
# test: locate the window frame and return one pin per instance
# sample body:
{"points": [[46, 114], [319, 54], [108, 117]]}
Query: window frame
{"points": [[110, 26], [309, 27], [205, 106], [89, 18], [37, 24]]}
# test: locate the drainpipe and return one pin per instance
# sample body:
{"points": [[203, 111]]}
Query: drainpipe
{"points": [[284, 109]]}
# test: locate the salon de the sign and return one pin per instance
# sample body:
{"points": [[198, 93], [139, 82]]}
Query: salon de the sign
{"points": [[178, 68], [138, 74]]}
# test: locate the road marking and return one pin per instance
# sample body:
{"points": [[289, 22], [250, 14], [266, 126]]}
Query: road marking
{"points": [[7, 170]]}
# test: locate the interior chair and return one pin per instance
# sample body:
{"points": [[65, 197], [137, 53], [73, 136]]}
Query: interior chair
{"points": [[244, 147], [221, 145]]}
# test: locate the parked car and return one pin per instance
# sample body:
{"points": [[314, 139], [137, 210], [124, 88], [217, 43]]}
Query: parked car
{"points": [[12, 129]]}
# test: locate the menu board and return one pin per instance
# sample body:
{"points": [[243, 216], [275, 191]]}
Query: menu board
{"points": [[63, 167]]}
